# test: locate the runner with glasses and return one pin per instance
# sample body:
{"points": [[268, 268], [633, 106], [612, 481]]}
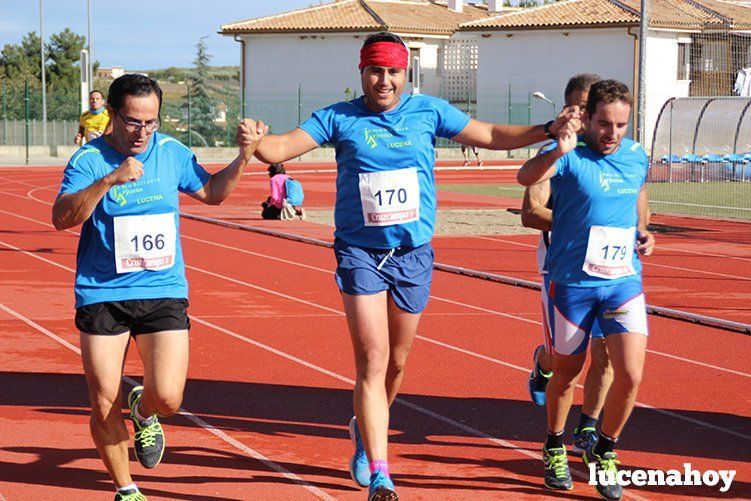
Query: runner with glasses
{"points": [[130, 275]]}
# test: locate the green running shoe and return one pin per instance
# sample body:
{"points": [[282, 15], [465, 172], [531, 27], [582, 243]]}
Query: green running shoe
{"points": [[130, 495], [149, 437], [607, 487], [557, 475]]}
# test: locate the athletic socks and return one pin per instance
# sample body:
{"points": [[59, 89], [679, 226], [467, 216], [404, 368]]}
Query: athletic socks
{"points": [[585, 422], [380, 465], [554, 440], [137, 413], [604, 444], [129, 487]]}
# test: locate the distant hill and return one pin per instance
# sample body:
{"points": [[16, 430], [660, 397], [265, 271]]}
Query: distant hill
{"points": [[174, 74]]}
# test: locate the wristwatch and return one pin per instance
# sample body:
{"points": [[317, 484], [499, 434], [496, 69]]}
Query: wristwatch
{"points": [[546, 129]]}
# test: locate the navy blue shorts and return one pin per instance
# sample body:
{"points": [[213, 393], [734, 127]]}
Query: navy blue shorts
{"points": [[406, 272]]}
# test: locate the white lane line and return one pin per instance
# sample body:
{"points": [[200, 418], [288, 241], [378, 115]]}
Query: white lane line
{"points": [[188, 415], [415, 407], [474, 354]]}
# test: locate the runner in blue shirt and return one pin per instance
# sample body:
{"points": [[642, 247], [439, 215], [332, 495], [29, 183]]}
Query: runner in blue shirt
{"points": [[595, 271], [537, 212], [130, 275], [384, 217]]}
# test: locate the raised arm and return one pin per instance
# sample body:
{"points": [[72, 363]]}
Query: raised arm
{"points": [[542, 167], [222, 183], [535, 213], [278, 148], [508, 137]]}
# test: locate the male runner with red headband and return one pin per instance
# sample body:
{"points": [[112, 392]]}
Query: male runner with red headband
{"points": [[384, 217]]}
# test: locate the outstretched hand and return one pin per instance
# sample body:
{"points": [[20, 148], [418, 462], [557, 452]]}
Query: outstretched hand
{"points": [[249, 135]]}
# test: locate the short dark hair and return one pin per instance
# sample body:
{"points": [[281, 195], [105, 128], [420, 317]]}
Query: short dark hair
{"points": [[383, 36], [607, 91], [98, 92], [132, 84], [580, 83], [275, 169]]}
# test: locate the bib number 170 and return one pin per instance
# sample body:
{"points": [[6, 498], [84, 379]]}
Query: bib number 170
{"points": [[388, 196]]}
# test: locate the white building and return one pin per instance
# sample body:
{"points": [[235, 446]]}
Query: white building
{"points": [[313, 53], [539, 49]]}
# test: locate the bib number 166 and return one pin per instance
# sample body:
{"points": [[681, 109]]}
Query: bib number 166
{"points": [[147, 242]]}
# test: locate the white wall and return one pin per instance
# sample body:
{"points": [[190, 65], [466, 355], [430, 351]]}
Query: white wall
{"points": [[543, 61], [550, 57], [661, 76], [322, 66]]}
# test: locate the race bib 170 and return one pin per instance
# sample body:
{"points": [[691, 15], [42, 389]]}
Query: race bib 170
{"points": [[390, 197]]}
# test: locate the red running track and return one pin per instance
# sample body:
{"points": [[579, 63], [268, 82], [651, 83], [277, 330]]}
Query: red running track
{"points": [[271, 376]]}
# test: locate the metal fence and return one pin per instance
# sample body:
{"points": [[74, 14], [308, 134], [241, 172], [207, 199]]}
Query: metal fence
{"points": [[701, 158], [59, 133]]}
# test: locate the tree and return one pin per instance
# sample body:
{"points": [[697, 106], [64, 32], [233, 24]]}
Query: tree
{"points": [[64, 52], [19, 63], [203, 106]]}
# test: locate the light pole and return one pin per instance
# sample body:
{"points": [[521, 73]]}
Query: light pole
{"points": [[44, 80], [541, 96]]}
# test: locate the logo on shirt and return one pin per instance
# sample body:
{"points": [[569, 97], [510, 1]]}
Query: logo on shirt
{"points": [[370, 139], [118, 196], [604, 182], [374, 137]]}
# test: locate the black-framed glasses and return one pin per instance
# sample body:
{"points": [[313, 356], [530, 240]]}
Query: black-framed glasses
{"points": [[133, 126]]}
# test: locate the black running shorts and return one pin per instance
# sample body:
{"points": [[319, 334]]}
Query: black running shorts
{"points": [[138, 316]]}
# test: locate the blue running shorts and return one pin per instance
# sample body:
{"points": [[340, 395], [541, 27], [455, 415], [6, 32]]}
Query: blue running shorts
{"points": [[406, 272], [595, 331], [572, 312]]}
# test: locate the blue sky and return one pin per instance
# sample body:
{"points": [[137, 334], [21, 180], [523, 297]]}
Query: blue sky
{"points": [[146, 35]]}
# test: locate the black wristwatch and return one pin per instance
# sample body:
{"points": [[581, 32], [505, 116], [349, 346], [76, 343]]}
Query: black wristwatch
{"points": [[546, 128]]}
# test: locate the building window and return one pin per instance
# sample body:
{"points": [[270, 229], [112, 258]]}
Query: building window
{"points": [[684, 66], [714, 56]]}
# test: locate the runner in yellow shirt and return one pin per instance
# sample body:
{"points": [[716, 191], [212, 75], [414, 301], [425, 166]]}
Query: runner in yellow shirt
{"points": [[95, 121]]}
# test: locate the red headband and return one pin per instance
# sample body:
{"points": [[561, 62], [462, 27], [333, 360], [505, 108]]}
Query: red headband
{"points": [[387, 54]]}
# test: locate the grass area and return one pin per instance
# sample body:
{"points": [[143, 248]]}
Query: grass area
{"points": [[716, 199], [495, 190]]}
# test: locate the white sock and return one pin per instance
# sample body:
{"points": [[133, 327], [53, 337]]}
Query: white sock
{"points": [[128, 487], [137, 414]]}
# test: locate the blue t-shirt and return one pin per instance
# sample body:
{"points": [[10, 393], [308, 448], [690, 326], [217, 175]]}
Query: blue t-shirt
{"points": [[168, 167], [368, 142], [591, 189]]}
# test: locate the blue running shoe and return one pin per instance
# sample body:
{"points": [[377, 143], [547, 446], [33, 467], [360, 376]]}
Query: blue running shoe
{"points": [[358, 463], [583, 440], [381, 488], [538, 380], [608, 487], [557, 475]]}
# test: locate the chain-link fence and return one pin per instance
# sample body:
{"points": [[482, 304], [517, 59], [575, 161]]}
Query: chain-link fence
{"points": [[701, 158]]}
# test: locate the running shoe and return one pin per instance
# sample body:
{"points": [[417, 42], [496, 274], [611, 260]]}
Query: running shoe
{"points": [[538, 380], [358, 463], [381, 488], [583, 440], [149, 437], [130, 495], [557, 475], [607, 487]]}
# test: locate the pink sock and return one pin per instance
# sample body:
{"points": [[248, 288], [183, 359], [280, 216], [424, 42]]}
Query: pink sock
{"points": [[379, 464]]}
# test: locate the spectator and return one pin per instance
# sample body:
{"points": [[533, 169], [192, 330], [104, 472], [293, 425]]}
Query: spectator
{"points": [[278, 205]]}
